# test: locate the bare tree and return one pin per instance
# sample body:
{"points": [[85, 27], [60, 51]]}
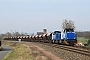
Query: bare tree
{"points": [[68, 24], [8, 34]]}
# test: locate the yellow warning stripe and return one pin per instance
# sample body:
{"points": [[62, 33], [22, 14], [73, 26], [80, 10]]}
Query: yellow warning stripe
{"points": [[66, 42]]}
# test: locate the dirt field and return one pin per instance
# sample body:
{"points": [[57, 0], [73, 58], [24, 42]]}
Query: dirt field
{"points": [[28, 51]]}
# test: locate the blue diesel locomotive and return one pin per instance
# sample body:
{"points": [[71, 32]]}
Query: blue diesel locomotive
{"points": [[67, 36]]}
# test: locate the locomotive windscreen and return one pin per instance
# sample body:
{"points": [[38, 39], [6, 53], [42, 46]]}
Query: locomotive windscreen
{"points": [[69, 30]]}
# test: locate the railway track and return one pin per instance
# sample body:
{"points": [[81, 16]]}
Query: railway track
{"points": [[69, 48]]}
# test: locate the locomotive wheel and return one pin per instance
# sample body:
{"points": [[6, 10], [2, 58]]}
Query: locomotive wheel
{"points": [[62, 42], [71, 43], [53, 41], [58, 41]]}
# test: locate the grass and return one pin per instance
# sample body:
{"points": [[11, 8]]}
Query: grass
{"points": [[83, 40], [21, 52]]}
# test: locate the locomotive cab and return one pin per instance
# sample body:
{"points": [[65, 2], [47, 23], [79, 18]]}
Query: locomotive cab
{"points": [[56, 36], [70, 36]]}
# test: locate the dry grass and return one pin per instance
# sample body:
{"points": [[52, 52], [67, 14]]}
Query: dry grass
{"points": [[23, 51]]}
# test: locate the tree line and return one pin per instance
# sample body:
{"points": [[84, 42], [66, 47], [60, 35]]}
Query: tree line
{"points": [[65, 24], [85, 34]]}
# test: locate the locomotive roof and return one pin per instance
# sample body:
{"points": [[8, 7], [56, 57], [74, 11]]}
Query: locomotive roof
{"points": [[68, 29], [57, 31]]}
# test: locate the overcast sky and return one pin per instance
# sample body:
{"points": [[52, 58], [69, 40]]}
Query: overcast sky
{"points": [[34, 15]]}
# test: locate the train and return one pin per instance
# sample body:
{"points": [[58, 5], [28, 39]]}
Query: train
{"points": [[66, 36]]}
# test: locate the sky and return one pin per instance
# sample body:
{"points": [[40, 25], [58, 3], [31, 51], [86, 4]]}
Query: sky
{"points": [[35, 15]]}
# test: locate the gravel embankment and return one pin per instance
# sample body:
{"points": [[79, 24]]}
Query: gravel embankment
{"points": [[63, 54]]}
